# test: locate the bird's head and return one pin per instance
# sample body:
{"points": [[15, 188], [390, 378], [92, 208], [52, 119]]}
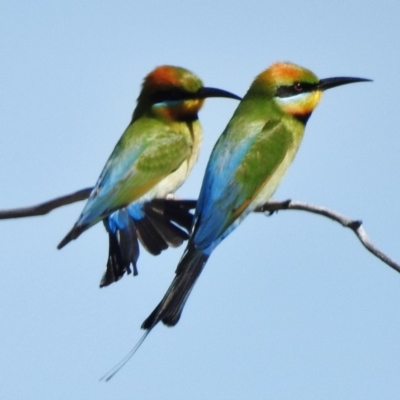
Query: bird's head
{"points": [[296, 90], [175, 93]]}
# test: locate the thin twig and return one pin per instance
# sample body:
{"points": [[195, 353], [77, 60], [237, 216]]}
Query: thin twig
{"points": [[354, 225], [47, 206]]}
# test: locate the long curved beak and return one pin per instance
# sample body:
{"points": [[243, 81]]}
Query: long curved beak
{"points": [[205, 92], [330, 83]]}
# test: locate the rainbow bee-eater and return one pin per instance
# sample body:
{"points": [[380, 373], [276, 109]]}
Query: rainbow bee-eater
{"points": [[246, 166], [151, 160]]}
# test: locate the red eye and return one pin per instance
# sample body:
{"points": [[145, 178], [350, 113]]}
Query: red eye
{"points": [[298, 87]]}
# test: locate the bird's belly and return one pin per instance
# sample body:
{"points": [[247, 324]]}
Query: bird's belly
{"points": [[170, 183], [273, 182], [174, 180]]}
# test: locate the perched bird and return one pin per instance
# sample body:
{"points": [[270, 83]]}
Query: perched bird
{"points": [[152, 159], [246, 166]]}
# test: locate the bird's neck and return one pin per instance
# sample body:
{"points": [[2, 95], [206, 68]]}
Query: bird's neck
{"points": [[171, 111]]}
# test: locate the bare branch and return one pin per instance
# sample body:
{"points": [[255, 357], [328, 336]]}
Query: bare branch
{"points": [[47, 206], [354, 225], [271, 207]]}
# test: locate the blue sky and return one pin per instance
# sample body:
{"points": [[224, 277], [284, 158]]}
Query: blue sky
{"points": [[289, 306]]}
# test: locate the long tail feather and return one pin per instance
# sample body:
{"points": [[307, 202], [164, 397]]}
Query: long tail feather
{"points": [[106, 377], [170, 308]]}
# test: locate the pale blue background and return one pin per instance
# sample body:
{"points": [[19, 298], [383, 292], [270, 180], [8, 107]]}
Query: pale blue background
{"points": [[289, 307]]}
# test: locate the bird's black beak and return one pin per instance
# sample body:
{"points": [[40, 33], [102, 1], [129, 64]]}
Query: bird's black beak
{"points": [[330, 83], [205, 92]]}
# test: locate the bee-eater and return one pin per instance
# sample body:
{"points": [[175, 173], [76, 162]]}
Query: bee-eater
{"points": [[246, 166], [152, 158]]}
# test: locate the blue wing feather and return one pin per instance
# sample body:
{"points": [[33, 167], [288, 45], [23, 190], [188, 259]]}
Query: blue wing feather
{"points": [[220, 190], [124, 172], [238, 169]]}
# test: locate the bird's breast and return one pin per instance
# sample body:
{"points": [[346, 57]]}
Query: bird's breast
{"points": [[175, 179], [274, 180]]}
